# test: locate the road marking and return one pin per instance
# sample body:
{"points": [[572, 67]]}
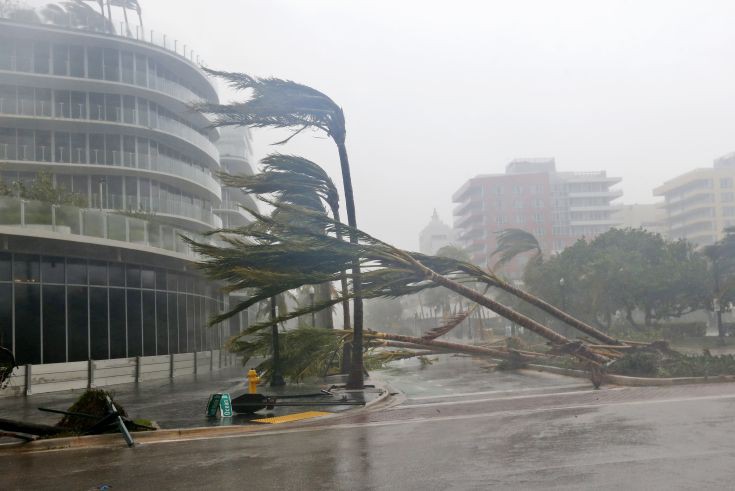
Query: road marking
{"points": [[511, 398], [489, 392], [291, 417]]}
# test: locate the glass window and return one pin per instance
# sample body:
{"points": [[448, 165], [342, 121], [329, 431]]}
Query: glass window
{"points": [[186, 324], [128, 71], [44, 106], [135, 335], [78, 105], [98, 323], [113, 108], [117, 274], [76, 61], [26, 101], [112, 64], [98, 273], [117, 323], [41, 57], [133, 276], [61, 59], [6, 54], [62, 144], [141, 70], [23, 56], [8, 99], [172, 324], [28, 323], [52, 269], [96, 149], [54, 324], [6, 315], [5, 266], [96, 106], [8, 144], [113, 151], [148, 277], [161, 324], [26, 268], [44, 151], [76, 271], [79, 148], [149, 323], [78, 316], [726, 182], [94, 62]]}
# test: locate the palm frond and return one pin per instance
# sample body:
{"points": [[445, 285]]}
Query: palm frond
{"points": [[513, 242]]}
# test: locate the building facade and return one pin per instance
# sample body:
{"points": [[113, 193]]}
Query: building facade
{"points": [[700, 203], [556, 207], [108, 120], [649, 217], [435, 235]]}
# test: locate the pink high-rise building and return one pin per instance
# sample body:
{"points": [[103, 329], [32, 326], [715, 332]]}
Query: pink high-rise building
{"points": [[556, 207]]}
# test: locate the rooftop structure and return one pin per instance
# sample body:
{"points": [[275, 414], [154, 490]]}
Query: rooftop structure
{"points": [[435, 235]]}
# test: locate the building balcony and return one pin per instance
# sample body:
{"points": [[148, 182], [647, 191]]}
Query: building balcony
{"points": [[62, 221], [610, 194]]}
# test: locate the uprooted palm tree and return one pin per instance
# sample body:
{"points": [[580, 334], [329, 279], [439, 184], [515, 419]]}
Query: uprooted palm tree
{"points": [[271, 256], [277, 103]]}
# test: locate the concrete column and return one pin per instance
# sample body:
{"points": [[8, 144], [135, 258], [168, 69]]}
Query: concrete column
{"points": [[29, 372]]}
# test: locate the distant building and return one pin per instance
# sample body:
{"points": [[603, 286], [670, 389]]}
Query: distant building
{"points": [[557, 207], [435, 235], [700, 203], [649, 217]]}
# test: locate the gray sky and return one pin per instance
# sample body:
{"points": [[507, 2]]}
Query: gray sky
{"points": [[437, 92]]}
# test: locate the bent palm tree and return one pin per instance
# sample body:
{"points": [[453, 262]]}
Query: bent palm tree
{"points": [[513, 242], [278, 103], [273, 256], [300, 182]]}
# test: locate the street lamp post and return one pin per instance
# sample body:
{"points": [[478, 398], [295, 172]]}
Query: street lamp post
{"points": [[276, 377]]}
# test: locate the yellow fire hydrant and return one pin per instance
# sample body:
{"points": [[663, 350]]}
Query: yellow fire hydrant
{"points": [[253, 380]]}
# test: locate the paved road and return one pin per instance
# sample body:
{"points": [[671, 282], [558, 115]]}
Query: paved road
{"points": [[460, 426]]}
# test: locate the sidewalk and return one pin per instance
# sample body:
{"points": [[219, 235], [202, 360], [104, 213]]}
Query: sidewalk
{"points": [[181, 402]]}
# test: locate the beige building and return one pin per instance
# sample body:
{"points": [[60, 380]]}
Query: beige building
{"points": [[650, 217], [701, 203]]}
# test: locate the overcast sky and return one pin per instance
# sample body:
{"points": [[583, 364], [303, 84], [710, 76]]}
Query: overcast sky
{"points": [[437, 92]]}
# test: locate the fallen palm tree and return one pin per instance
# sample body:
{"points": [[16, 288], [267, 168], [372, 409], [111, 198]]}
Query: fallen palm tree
{"points": [[273, 256]]}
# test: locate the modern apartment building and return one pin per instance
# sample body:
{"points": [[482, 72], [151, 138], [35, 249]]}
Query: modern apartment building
{"points": [[108, 118], [557, 207], [700, 203]]}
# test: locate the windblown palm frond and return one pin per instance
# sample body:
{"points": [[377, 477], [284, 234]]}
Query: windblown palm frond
{"points": [[281, 256], [277, 103], [513, 242]]}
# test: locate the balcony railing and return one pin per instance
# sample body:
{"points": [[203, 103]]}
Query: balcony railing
{"points": [[70, 220]]}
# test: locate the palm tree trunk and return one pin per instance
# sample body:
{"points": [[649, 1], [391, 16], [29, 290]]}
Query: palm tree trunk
{"points": [[346, 324], [355, 379], [581, 351], [109, 14], [127, 26], [559, 314]]}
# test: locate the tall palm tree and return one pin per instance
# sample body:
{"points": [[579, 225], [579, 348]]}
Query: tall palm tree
{"points": [[278, 103]]}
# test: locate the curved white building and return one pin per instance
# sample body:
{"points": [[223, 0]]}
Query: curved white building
{"points": [[108, 118]]}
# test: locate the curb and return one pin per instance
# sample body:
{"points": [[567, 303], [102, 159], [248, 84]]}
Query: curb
{"points": [[636, 381], [172, 435]]}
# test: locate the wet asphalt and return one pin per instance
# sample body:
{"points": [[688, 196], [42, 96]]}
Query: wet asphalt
{"points": [[456, 425]]}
